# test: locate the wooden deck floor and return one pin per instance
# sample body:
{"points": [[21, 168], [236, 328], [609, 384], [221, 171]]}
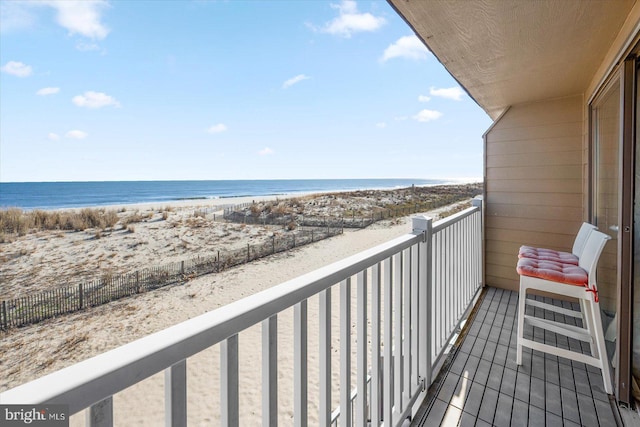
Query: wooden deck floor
{"points": [[483, 386]]}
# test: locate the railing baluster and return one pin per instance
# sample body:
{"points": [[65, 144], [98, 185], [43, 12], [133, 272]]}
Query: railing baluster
{"points": [[101, 414], [361, 386], [345, 353], [229, 382], [388, 343], [406, 325], [397, 333], [325, 357], [300, 364], [376, 277], [175, 395], [414, 316], [270, 371]]}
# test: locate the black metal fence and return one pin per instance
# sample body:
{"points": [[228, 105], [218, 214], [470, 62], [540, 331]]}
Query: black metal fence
{"points": [[43, 305]]}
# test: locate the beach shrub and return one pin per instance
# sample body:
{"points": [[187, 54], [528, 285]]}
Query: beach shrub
{"points": [[110, 219]]}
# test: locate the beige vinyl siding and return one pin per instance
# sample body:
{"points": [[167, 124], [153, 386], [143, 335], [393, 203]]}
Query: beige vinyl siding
{"points": [[534, 163]]}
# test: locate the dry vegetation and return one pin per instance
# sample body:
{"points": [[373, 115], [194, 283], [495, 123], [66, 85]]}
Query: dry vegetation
{"points": [[366, 203]]}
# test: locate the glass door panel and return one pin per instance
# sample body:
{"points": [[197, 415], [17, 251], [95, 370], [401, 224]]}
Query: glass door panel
{"points": [[606, 122]]}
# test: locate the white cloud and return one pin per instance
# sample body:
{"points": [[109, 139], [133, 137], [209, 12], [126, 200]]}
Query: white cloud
{"points": [[381, 125], [81, 17], [95, 100], [424, 98], [265, 151], [53, 136], [220, 127], [427, 115], [350, 21], [294, 80], [16, 68], [76, 134], [48, 91], [454, 93], [409, 47]]}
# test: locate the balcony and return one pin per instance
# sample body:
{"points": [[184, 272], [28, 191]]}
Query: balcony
{"points": [[374, 351], [483, 386]]}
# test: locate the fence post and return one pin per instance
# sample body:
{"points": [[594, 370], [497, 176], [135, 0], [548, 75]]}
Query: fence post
{"points": [[81, 296], [424, 225], [248, 252], [4, 315], [182, 267], [273, 244]]}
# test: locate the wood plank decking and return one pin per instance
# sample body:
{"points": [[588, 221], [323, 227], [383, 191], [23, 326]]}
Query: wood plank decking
{"points": [[483, 386]]}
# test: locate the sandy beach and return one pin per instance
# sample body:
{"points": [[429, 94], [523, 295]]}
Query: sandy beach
{"points": [[33, 351]]}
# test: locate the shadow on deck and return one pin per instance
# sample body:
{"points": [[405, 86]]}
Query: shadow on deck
{"points": [[483, 386]]}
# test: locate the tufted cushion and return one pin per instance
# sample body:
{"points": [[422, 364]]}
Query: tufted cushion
{"points": [[554, 271], [547, 255]]}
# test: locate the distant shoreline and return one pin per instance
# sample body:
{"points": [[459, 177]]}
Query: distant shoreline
{"points": [[77, 195]]}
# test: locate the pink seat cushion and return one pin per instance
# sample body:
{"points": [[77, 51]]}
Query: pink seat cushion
{"points": [[553, 271], [547, 255]]}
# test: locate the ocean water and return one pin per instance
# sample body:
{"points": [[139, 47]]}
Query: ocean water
{"points": [[57, 195]]}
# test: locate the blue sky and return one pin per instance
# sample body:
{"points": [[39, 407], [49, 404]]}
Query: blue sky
{"points": [[153, 90]]}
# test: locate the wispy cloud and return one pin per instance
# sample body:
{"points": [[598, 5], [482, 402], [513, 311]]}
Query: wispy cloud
{"points": [[266, 151], [87, 47], [15, 16], [424, 98], [456, 93], [381, 125], [294, 80], [95, 100], [17, 68], [76, 134], [220, 127], [350, 21], [53, 136], [409, 47], [427, 115], [48, 91]]}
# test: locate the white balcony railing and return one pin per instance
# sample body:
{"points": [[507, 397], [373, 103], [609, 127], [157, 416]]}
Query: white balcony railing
{"points": [[411, 294]]}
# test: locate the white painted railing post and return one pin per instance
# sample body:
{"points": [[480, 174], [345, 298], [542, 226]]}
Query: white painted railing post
{"points": [[325, 357], [345, 353], [478, 202], [229, 382], [270, 372], [300, 364], [361, 381], [101, 414], [423, 225], [175, 395]]}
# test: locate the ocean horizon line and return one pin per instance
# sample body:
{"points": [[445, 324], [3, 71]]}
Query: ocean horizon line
{"points": [[78, 194]]}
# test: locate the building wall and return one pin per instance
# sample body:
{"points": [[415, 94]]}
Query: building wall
{"points": [[534, 176]]}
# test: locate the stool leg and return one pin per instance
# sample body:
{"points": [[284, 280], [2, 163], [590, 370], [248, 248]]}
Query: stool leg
{"points": [[587, 323], [602, 350], [521, 306]]}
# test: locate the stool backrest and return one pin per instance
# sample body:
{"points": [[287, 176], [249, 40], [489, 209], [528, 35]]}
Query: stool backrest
{"points": [[591, 253], [581, 238]]}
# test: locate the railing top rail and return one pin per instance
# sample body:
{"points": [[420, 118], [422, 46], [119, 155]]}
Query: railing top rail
{"points": [[457, 217], [90, 381]]}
